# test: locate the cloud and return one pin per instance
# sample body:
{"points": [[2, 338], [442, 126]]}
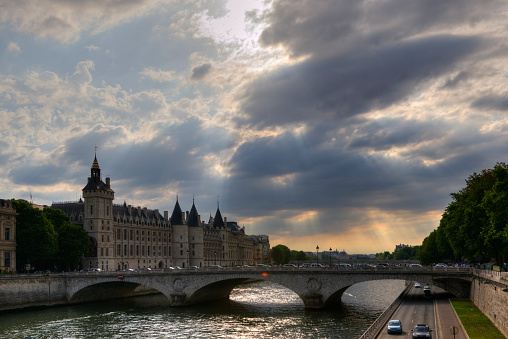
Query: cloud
{"points": [[159, 75], [199, 72], [345, 27], [14, 48], [495, 102], [65, 21], [345, 86]]}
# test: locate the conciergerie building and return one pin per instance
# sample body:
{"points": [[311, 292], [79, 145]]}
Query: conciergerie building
{"points": [[127, 237]]}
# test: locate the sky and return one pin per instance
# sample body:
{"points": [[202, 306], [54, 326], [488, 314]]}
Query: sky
{"points": [[338, 124]]}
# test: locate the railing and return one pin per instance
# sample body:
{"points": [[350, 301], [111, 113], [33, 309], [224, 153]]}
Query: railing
{"points": [[493, 275], [501, 277]]}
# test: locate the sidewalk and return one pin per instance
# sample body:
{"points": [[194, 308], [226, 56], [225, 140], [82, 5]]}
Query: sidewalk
{"points": [[446, 319]]}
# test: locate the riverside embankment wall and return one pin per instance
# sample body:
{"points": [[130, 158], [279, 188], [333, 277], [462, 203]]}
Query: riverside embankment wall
{"points": [[31, 291], [35, 290], [489, 292]]}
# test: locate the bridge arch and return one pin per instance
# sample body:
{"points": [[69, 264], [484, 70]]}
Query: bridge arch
{"points": [[317, 288]]}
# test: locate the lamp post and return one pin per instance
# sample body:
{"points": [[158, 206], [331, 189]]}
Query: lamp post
{"points": [[215, 256], [330, 257], [188, 260], [317, 255]]}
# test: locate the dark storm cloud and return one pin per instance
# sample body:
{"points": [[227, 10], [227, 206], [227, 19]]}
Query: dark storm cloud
{"points": [[38, 175], [491, 102], [345, 86], [200, 72], [323, 169], [319, 28]]}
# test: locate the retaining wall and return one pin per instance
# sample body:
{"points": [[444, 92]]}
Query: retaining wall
{"points": [[489, 292]]}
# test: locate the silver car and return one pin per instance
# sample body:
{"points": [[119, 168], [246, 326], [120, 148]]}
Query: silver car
{"points": [[394, 326]]}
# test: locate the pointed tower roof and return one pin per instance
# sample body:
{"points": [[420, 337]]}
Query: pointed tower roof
{"points": [[218, 221], [176, 217], [193, 220], [95, 182]]}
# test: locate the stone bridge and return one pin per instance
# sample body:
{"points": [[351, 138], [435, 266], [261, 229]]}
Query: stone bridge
{"points": [[318, 288]]}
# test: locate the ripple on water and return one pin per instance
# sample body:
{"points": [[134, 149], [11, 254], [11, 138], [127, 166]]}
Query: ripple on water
{"points": [[256, 310]]}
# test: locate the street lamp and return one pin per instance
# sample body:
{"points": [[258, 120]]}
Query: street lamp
{"points": [[330, 257], [188, 260], [317, 255], [215, 256]]}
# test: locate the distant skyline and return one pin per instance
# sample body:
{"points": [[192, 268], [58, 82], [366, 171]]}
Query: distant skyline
{"points": [[343, 124]]}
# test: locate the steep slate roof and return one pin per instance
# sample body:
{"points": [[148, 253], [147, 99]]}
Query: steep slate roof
{"points": [[176, 216], [218, 221], [144, 214], [193, 220]]}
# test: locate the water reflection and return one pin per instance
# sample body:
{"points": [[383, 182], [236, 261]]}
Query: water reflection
{"points": [[256, 310]]}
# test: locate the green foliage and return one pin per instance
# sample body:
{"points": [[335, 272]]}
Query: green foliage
{"points": [[280, 254], [36, 238], [48, 238], [298, 256], [384, 256], [73, 242], [475, 224], [406, 253], [55, 216]]}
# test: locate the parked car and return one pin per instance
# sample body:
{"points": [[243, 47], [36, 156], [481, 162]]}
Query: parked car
{"points": [[421, 331], [417, 285], [394, 326]]}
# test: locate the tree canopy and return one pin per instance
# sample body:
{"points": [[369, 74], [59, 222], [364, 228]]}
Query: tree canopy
{"points": [[280, 254], [474, 225], [37, 240], [47, 239]]}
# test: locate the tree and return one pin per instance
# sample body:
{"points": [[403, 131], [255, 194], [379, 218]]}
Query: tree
{"points": [[55, 216], [495, 204], [73, 243], [475, 222], [37, 241], [280, 254], [428, 251]]}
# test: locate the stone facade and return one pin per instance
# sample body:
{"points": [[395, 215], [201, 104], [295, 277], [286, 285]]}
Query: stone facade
{"points": [[7, 235], [127, 237]]}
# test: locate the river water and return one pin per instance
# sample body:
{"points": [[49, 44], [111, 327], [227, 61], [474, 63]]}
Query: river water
{"points": [[255, 310]]}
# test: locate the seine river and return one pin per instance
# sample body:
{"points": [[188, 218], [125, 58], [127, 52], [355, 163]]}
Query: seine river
{"points": [[255, 310]]}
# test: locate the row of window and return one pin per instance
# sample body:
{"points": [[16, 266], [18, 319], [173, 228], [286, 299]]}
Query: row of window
{"points": [[161, 236]]}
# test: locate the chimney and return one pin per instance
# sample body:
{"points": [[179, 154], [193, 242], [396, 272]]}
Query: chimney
{"points": [[108, 181], [166, 215]]}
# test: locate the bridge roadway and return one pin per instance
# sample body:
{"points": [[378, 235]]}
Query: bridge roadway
{"points": [[317, 287]]}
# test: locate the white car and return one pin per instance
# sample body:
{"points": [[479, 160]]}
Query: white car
{"points": [[417, 285]]}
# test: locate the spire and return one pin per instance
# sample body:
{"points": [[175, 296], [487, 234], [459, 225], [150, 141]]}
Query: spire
{"points": [[176, 216], [218, 221], [193, 220], [95, 170]]}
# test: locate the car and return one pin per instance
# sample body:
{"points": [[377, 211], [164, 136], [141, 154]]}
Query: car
{"points": [[441, 265], [289, 265], [215, 267], [415, 265], [394, 326], [417, 285], [421, 331]]}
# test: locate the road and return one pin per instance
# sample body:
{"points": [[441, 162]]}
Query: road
{"points": [[415, 309]]}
